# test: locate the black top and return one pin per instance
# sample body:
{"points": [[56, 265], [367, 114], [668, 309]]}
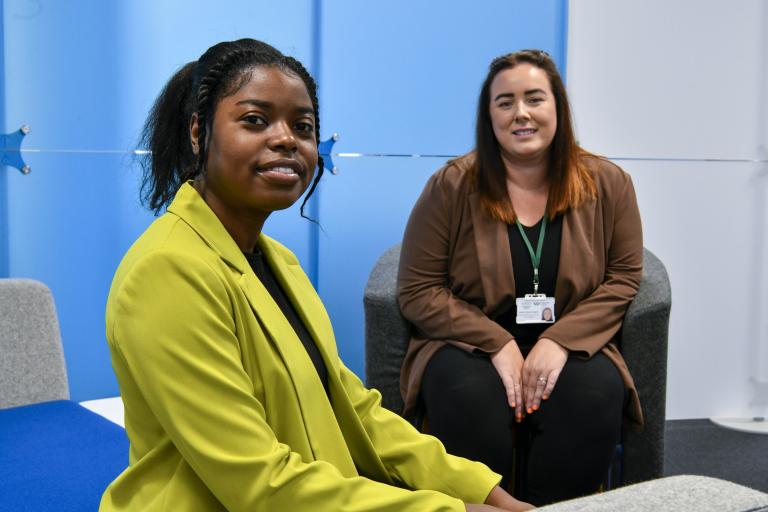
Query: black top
{"points": [[526, 335], [267, 277]]}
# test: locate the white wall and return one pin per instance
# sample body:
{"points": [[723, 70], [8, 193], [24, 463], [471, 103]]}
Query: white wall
{"points": [[686, 79]]}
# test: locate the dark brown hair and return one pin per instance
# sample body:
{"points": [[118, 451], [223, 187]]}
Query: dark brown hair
{"points": [[570, 181]]}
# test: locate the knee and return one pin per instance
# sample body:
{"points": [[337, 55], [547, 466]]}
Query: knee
{"points": [[591, 389], [461, 382]]}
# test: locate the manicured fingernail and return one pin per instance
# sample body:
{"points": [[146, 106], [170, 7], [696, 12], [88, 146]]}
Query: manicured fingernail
{"points": [[535, 407], [530, 410]]}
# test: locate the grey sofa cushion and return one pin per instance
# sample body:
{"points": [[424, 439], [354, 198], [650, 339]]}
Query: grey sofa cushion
{"points": [[673, 494], [31, 359]]}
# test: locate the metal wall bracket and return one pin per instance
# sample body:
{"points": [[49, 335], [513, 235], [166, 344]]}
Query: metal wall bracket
{"points": [[10, 149], [325, 148]]}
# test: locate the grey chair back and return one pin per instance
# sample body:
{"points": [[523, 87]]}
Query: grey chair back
{"points": [[32, 365], [643, 342]]}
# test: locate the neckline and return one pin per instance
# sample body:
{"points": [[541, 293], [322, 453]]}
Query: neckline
{"points": [[256, 253], [538, 223]]}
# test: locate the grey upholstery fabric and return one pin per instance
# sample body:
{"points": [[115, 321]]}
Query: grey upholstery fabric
{"points": [[31, 359], [643, 342], [386, 331], [673, 494]]}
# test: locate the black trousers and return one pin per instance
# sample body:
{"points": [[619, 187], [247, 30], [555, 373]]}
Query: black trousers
{"points": [[566, 446]]}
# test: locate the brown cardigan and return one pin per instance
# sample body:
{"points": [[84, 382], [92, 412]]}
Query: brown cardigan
{"points": [[456, 273]]}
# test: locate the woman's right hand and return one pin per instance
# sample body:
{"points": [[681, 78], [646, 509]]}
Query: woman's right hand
{"points": [[508, 362], [473, 507]]}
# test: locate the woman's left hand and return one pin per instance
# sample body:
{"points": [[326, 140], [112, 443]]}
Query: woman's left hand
{"points": [[502, 500], [541, 370]]}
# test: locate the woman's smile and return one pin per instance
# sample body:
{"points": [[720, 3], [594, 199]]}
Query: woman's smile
{"points": [[524, 132], [282, 172]]}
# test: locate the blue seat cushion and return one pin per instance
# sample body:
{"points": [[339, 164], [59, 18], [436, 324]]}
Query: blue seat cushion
{"points": [[57, 456]]}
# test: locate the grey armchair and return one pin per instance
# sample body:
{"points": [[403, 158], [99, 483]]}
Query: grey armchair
{"points": [[643, 342], [32, 366]]}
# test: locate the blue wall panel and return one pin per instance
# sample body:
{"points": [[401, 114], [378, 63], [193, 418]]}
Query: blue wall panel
{"points": [[402, 77], [83, 74], [60, 64], [395, 78]]}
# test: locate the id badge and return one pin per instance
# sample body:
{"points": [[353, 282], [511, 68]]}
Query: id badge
{"points": [[535, 309]]}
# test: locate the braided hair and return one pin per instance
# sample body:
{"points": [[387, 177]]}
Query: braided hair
{"points": [[196, 90]]}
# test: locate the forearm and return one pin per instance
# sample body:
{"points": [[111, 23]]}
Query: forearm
{"points": [[438, 314], [416, 460], [595, 320]]}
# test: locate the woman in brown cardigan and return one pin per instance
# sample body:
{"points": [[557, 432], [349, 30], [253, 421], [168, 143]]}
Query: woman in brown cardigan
{"points": [[528, 221]]}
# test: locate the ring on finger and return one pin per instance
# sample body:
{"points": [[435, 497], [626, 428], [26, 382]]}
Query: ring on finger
{"points": [[541, 380]]}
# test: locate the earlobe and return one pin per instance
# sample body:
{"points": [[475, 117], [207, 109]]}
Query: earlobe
{"points": [[193, 133]]}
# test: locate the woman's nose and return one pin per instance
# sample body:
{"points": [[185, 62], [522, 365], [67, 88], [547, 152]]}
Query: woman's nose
{"points": [[282, 138], [521, 112]]}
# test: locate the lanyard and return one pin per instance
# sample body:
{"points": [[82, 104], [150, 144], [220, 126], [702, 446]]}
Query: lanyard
{"points": [[535, 257]]}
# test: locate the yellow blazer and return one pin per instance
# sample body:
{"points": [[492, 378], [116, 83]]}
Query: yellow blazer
{"points": [[223, 406]]}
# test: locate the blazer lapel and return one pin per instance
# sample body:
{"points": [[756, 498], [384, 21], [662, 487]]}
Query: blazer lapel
{"points": [[192, 209], [493, 255], [315, 318], [323, 432], [306, 302]]}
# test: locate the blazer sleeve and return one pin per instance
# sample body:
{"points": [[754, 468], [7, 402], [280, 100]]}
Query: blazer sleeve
{"points": [[417, 460], [596, 319], [173, 326], [423, 291]]}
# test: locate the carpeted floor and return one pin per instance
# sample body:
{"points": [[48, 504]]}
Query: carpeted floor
{"points": [[699, 447]]}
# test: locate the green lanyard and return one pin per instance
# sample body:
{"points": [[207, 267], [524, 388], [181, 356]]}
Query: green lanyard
{"points": [[535, 257]]}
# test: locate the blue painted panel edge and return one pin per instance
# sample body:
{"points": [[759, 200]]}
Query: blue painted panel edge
{"points": [[563, 31], [314, 202], [4, 256]]}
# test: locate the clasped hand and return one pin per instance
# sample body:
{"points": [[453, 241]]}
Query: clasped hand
{"points": [[530, 380]]}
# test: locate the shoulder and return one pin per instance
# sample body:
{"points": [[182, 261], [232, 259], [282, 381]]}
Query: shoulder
{"points": [[456, 176], [610, 179], [168, 286], [170, 237], [167, 253]]}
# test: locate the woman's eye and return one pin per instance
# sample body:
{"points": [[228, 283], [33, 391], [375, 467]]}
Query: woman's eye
{"points": [[535, 101], [254, 119], [305, 127], [505, 105]]}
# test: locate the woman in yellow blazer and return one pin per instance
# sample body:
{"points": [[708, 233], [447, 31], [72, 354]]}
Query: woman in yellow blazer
{"points": [[235, 397]]}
